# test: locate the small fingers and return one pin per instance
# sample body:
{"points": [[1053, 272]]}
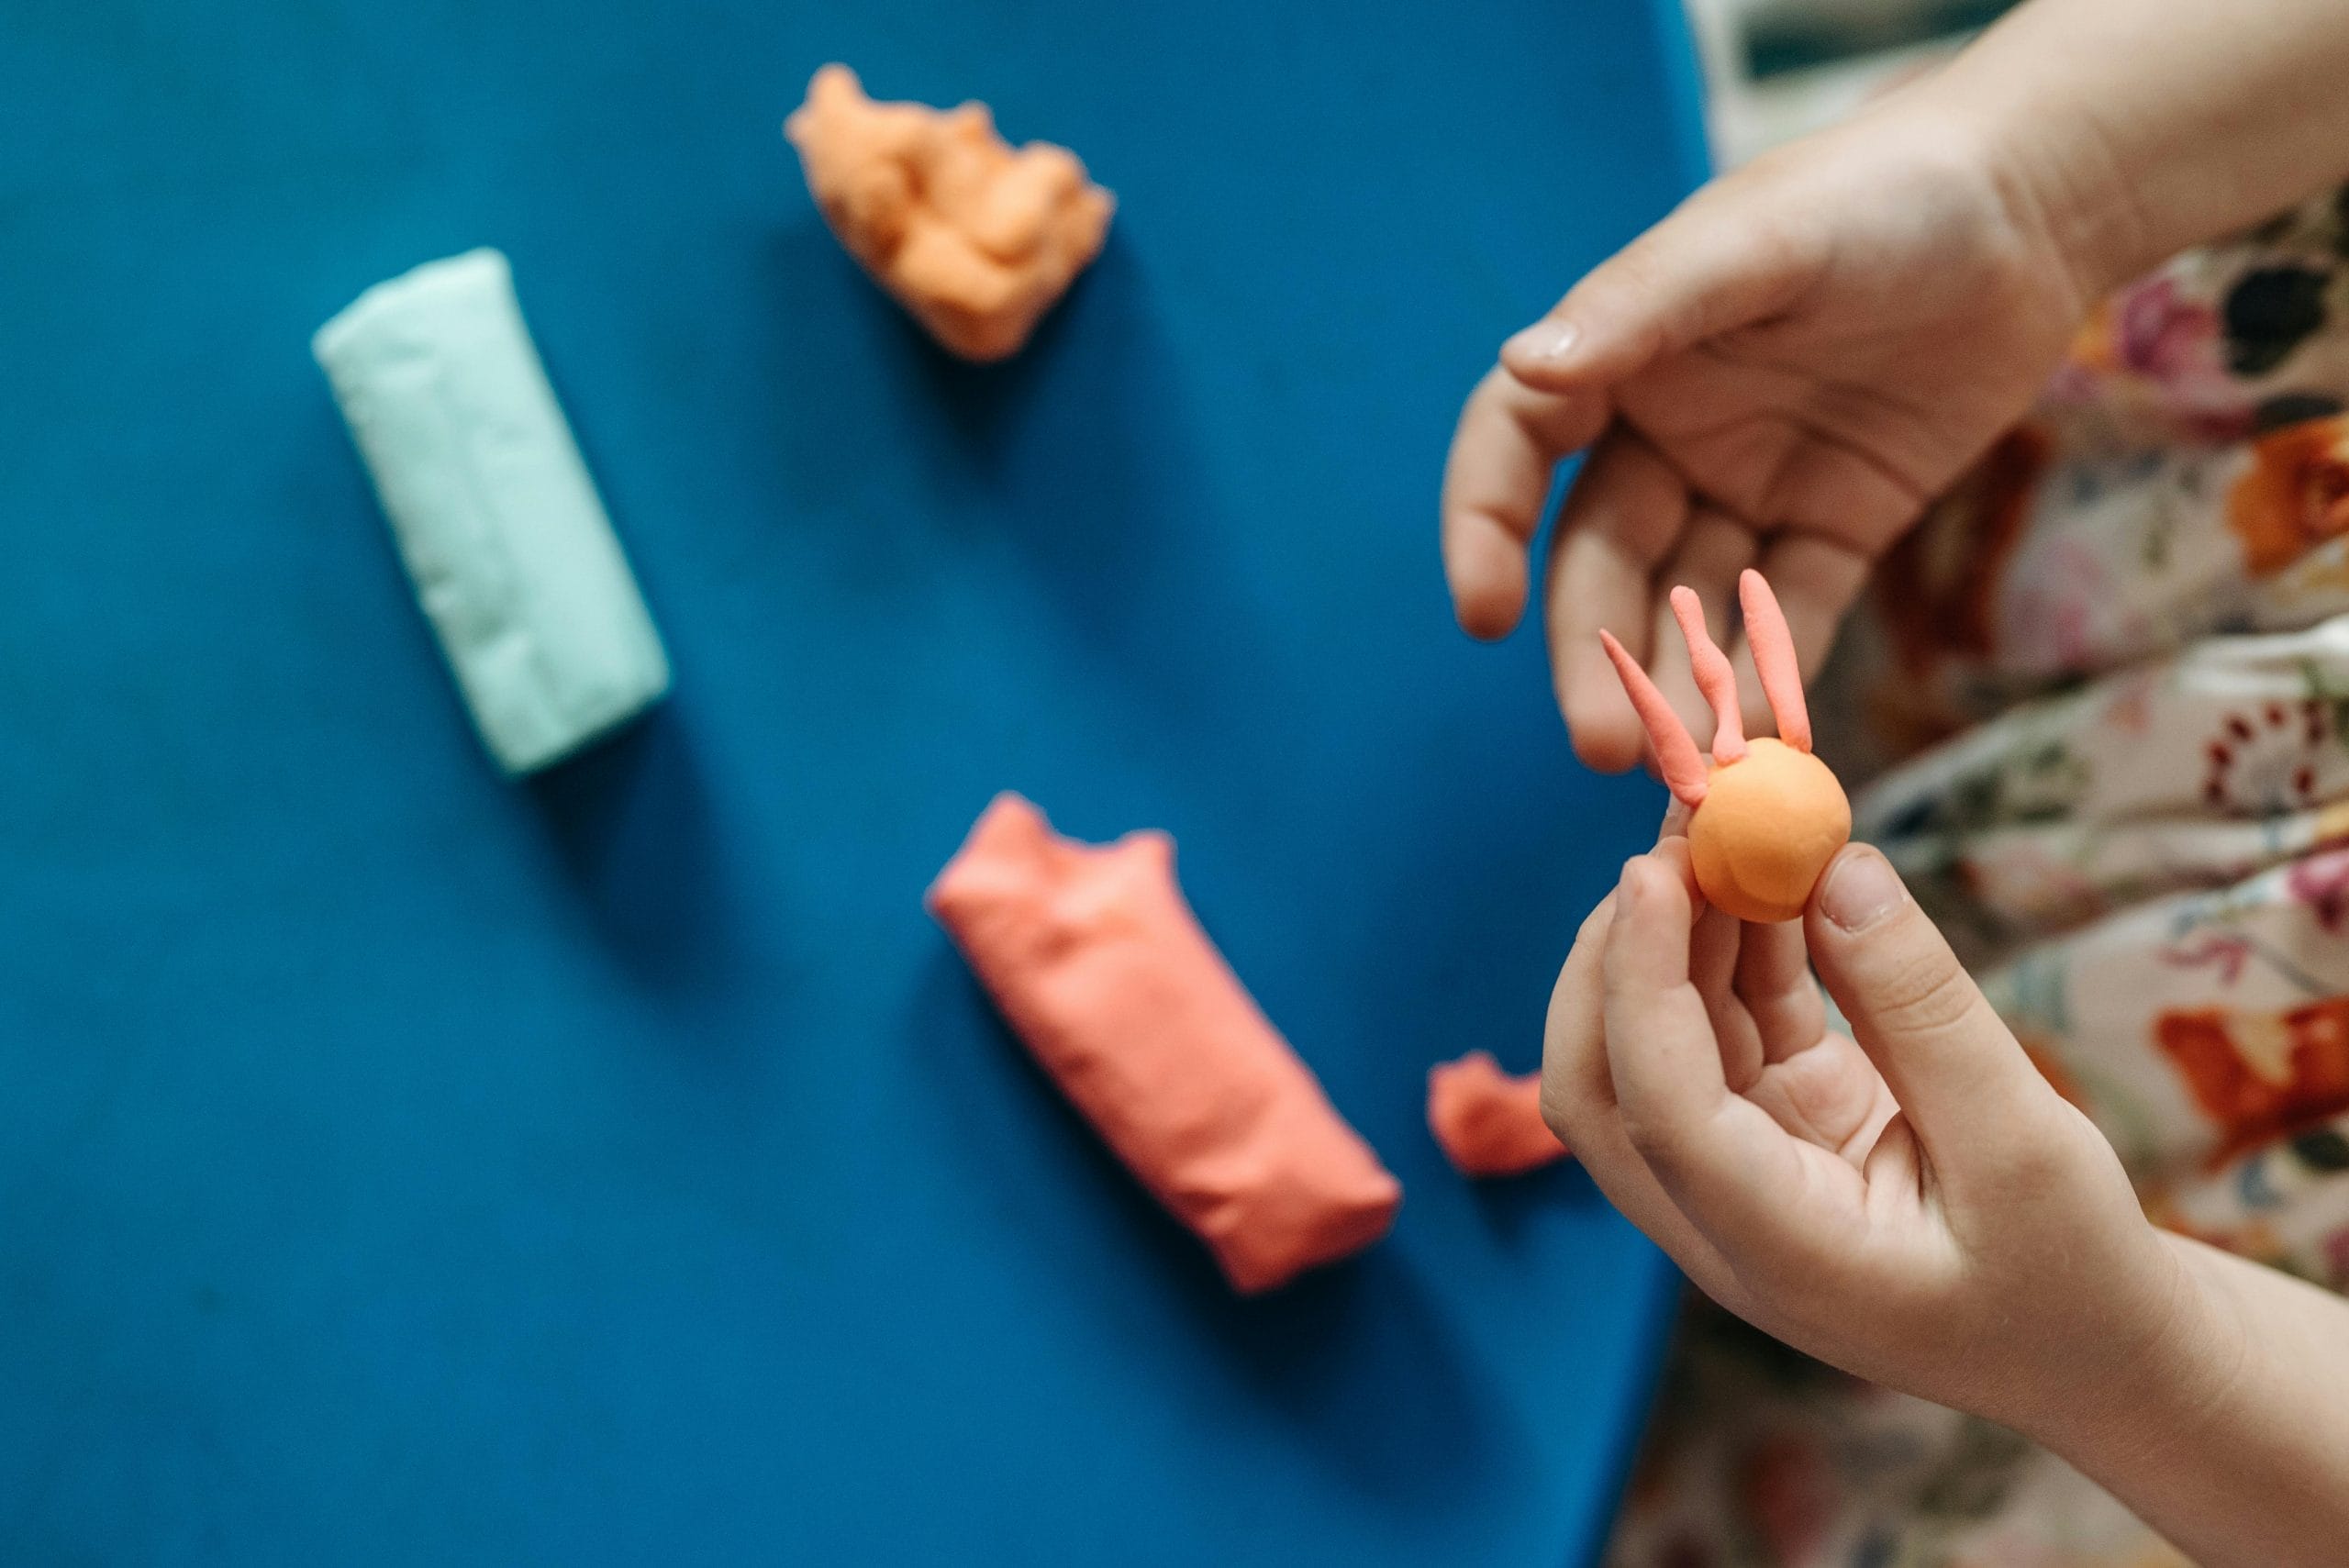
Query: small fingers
{"points": [[1818, 1086], [1578, 1102], [1774, 981], [1713, 962], [1829, 1094], [1623, 517], [1576, 1092], [1508, 446], [1576, 1087], [1722, 1161], [1895, 1169]]}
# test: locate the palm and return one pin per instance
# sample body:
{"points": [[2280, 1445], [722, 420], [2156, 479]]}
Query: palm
{"points": [[1884, 1208], [1849, 1158], [1819, 1129], [1840, 1120], [1843, 419], [1781, 375]]}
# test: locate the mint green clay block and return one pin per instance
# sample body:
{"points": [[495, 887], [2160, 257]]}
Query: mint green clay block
{"points": [[513, 557]]}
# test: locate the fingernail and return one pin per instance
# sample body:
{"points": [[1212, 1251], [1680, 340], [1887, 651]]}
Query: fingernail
{"points": [[1861, 888], [1548, 341]]}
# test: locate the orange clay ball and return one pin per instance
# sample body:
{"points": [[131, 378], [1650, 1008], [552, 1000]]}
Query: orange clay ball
{"points": [[1769, 824]]}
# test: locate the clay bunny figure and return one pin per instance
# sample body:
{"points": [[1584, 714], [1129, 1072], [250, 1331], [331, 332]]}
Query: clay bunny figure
{"points": [[1766, 817]]}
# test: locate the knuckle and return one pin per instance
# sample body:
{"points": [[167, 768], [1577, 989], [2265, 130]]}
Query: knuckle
{"points": [[1783, 249], [1922, 993], [2056, 1149], [1557, 1109], [2031, 1167], [1651, 1139]]}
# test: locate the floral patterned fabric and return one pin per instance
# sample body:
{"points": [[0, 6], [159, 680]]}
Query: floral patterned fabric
{"points": [[2112, 717]]}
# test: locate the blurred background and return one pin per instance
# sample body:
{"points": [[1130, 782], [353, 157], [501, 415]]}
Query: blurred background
{"points": [[1777, 69]]}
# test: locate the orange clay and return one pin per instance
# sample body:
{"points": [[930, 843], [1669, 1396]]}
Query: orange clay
{"points": [[1100, 965], [976, 239], [1676, 757], [1488, 1122], [1770, 824], [1774, 659], [1769, 816]]}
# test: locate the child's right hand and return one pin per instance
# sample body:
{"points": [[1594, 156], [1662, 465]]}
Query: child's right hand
{"points": [[1780, 373], [1912, 1203]]}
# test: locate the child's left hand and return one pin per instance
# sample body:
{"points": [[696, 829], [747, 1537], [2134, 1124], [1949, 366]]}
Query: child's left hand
{"points": [[1918, 1206]]}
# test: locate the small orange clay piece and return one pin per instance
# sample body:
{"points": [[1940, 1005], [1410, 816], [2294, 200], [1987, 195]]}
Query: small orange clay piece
{"points": [[1100, 965], [976, 239], [1490, 1123], [1769, 816]]}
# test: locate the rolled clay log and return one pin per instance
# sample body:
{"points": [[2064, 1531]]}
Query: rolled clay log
{"points": [[1098, 964], [513, 558], [1488, 1122]]}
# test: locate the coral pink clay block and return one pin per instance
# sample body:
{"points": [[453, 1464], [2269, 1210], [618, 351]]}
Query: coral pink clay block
{"points": [[1100, 965], [976, 239], [1488, 1122]]}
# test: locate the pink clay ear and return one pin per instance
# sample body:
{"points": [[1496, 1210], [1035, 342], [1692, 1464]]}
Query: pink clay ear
{"points": [[1714, 677], [1774, 658], [1677, 756]]}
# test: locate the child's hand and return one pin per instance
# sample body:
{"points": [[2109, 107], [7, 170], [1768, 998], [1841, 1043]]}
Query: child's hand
{"points": [[1918, 1207], [1780, 373]]}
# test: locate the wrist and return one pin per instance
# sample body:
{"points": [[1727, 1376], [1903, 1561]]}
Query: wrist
{"points": [[2149, 1407], [2060, 180]]}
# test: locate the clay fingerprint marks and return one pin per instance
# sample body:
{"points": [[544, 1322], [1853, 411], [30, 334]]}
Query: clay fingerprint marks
{"points": [[976, 238], [1098, 964], [1487, 1121]]}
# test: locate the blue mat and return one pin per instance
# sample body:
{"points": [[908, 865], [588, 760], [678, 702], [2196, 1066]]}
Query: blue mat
{"points": [[400, 1166]]}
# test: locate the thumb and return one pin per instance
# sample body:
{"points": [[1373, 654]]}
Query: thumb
{"points": [[1961, 1077], [1714, 265]]}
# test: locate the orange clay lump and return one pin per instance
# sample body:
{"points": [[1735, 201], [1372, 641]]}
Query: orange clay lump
{"points": [[1488, 1122], [976, 239], [1767, 816]]}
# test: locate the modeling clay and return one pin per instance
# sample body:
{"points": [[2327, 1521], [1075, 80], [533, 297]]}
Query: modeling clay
{"points": [[1767, 816], [496, 519], [1488, 1122], [976, 239], [1100, 965]]}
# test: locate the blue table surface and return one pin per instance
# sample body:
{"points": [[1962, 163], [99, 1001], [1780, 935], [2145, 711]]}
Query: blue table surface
{"points": [[398, 1165]]}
